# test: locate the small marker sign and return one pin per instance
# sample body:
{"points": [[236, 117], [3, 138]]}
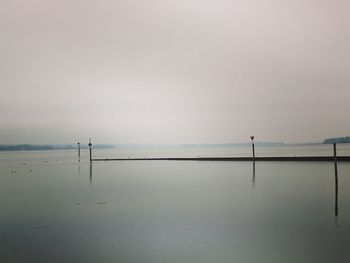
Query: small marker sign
{"points": [[253, 148]]}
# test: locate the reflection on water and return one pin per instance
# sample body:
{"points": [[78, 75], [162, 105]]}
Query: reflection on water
{"points": [[253, 177], [336, 199], [150, 212], [336, 188], [90, 173]]}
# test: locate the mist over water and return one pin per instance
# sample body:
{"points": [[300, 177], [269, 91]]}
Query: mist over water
{"points": [[56, 209], [169, 71], [174, 72]]}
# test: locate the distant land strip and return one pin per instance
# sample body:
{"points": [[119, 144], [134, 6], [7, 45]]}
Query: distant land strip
{"points": [[277, 158], [49, 147]]}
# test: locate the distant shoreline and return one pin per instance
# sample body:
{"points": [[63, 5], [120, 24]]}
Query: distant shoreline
{"points": [[48, 147], [130, 147]]}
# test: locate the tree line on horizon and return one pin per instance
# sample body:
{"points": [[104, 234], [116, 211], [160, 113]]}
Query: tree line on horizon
{"points": [[345, 139], [31, 147]]}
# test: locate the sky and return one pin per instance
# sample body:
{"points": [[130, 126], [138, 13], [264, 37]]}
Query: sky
{"points": [[185, 71]]}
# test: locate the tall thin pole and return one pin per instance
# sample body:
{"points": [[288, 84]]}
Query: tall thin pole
{"points": [[253, 147], [90, 144], [253, 150], [79, 151], [336, 178]]}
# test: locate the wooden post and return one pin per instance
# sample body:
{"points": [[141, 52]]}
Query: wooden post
{"points": [[253, 148], [336, 178], [79, 151], [90, 144]]}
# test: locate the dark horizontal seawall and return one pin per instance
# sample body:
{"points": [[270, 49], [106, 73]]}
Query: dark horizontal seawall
{"points": [[292, 158]]}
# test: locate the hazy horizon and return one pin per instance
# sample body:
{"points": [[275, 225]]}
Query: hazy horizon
{"points": [[174, 72], [247, 142]]}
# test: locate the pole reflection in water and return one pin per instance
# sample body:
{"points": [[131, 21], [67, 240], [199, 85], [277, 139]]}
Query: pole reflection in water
{"points": [[253, 177], [336, 190], [335, 178], [90, 174]]}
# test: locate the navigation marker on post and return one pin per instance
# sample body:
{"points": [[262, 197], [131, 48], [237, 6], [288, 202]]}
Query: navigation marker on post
{"points": [[90, 144]]}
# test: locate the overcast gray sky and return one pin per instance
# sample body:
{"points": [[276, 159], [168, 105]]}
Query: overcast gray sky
{"points": [[166, 71]]}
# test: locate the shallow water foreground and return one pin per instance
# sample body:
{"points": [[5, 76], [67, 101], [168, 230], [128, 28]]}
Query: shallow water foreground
{"points": [[54, 209]]}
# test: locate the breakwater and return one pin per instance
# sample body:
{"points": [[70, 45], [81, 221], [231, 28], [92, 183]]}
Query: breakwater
{"points": [[257, 159]]}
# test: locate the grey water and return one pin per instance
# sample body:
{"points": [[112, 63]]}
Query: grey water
{"points": [[57, 209], [243, 151]]}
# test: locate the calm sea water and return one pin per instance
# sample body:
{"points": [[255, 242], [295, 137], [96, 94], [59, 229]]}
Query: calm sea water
{"points": [[294, 150], [56, 209]]}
